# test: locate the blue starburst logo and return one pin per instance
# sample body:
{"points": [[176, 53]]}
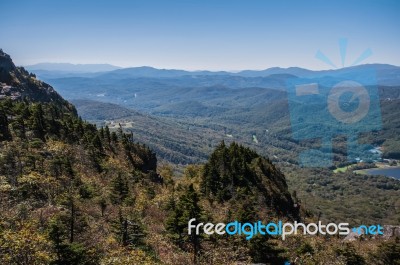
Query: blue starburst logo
{"points": [[343, 53], [333, 104]]}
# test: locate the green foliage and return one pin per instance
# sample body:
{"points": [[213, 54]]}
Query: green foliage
{"points": [[181, 139], [37, 121], [74, 254], [129, 231], [236, 173], [120, 189], [73, 194], [36, 143], [93, 191], [388, 253], [4, 130], [304, 249], [68, 252], [346, 197], [24, 245], [263, 250], [185, 209], [350, 255], [54, 168]]}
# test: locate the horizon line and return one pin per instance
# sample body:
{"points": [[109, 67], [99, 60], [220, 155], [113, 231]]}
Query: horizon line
{"points": [[199, 70]]}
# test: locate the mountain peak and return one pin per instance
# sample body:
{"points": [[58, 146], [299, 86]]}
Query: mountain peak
{"points": [[6, 66], [16, 83]]}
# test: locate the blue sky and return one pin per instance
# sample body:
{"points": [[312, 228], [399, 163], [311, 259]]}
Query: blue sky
{"points": [[195, 35]]}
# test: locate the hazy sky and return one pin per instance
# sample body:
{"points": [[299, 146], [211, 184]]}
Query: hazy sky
{"points": [[203, 34]]}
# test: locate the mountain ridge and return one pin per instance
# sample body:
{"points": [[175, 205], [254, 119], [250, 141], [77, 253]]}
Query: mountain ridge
{"points": [[73, 194], [149, 71], [18, 84], [73, 68]]}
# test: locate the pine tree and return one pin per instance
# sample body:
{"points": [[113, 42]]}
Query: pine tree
{"points": [[186, 208], [129, 230], [102, 133], [38, 121], [68, 253], [120, 189], [263, 250], [107, 135], [4, 130], [96, 142], [388, 252], [114, 137]]}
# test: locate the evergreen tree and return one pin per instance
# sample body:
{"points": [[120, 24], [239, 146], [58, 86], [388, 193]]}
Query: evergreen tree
{"points": [[96, 142], [236, 171], [388, 253], [38, 121], [107, 135], [350, 255], [119, 189], [129, 230], [186, 209], [5, 134], [114, 137], [68, 253], [263, 250], [101, 132]]}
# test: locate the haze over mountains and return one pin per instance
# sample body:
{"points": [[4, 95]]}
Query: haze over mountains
{"points": [[151, 72], [204, 107], [153, 90], [72, 68], [184, 118]]}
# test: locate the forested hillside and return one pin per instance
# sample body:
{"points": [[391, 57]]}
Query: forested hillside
{"points": [[72, 193]]}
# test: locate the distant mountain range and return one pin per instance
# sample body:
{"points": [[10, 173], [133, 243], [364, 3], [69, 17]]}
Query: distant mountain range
{"points": [[385, 73], [388, 75], [72, 68], [147, 71]]}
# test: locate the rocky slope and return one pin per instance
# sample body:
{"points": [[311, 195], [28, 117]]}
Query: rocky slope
{"points": [[17, 83]]}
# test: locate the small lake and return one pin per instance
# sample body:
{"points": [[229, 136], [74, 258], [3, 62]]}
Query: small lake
{"points": [[390, 172]]}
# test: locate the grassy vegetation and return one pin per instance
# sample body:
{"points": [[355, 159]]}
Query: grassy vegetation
{"points": [[347, 197], [341, 169]]}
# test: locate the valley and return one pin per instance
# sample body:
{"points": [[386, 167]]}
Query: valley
{"points": [[133, 172], [182, 118], [230, 108], [199, 132]]}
